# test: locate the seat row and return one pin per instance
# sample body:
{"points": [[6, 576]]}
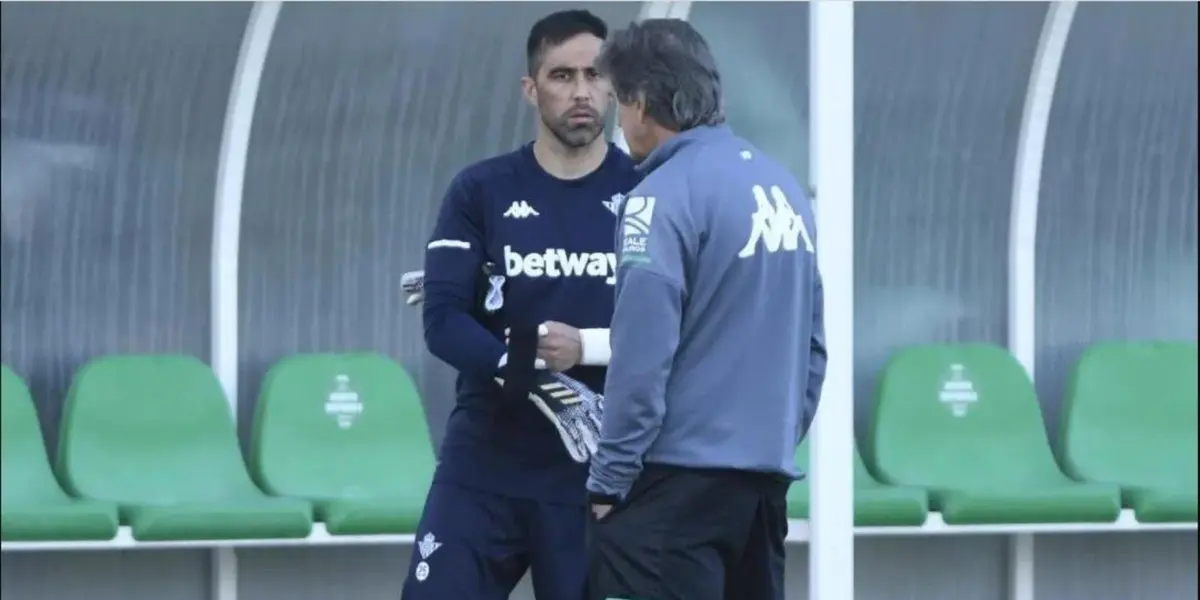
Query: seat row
{"points": [[958, 429], [149, 442]]}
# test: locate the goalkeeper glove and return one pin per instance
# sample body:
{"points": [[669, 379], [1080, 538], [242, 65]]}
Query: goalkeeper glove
{"points": [[573, 409], [492, 299], [413, 284]]}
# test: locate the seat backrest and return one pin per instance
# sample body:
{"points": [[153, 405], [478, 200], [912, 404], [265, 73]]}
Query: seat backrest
{"points": [[803, 458], [1129, 415], [341, 426], [24, 467], [963, 417], [150, 430]]}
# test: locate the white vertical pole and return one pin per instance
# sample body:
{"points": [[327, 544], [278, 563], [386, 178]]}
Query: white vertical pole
{"points": [[1022, 240], [227, 204], [831, 163], [1021, 567], [223, 573], [227, 230], [1027, 183]]}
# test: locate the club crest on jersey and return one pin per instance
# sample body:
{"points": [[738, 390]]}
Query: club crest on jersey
{"points": [[614, 205], [426, 546]]}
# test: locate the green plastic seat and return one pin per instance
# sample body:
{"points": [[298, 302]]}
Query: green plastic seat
{"points": [[33, 507], [875, 504], [964, 423], [1129, 419], [154, 434], [348, 432]]}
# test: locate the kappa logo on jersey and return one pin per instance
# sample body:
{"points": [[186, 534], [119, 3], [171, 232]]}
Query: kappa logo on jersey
{"points": [[777, 226], [635, 228], [520, 210], [557, 262]]}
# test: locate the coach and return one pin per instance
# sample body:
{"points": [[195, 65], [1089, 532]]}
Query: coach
{"points": [[717, 341]]}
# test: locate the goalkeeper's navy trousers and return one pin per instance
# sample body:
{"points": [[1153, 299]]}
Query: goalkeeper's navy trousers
{"points": [[692, 534], [477, 545]]}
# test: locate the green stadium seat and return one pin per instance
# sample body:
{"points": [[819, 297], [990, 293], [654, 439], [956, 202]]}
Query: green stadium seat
{"points": [[154, 434], [875, 504], [964, 423], [33, 507], [1129, 419], [348, 432]]}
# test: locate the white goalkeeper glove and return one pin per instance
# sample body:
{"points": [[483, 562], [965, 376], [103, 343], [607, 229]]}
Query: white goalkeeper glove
{"points": [[574, 410], [413, 284]]}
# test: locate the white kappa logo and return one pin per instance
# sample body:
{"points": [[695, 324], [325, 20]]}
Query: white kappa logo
{"points": [[520, 210], [778, 226]]}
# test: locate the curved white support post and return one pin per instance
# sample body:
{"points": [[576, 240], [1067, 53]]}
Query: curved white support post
{"points": [[227, 205], [662, 9], [227, 231], [1022, 240], [1027, 182]]}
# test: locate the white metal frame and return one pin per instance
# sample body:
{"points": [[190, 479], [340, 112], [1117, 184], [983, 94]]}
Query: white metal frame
{"points": [[1027, 181], [1022, 240], [227, 205], [831, 165], [799, 532], [227, 230]]}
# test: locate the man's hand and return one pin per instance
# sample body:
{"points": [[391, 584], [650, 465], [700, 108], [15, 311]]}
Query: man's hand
{"points": [[560, 346]]}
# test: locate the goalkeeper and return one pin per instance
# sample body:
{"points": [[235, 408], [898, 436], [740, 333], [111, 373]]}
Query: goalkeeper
{"points": [[520, 270]]}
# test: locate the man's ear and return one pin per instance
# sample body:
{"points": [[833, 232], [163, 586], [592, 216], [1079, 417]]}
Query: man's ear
{"points": [[529, 90]]}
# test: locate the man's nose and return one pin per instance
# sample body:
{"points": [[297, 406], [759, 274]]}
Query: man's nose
{"points": [[583, 89]]}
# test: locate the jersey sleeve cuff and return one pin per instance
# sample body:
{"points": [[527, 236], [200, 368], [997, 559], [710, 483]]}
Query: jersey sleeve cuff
{"points": [[596, 351]]}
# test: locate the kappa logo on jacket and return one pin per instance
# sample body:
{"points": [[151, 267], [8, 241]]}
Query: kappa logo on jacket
{"points": [[777, 226]]}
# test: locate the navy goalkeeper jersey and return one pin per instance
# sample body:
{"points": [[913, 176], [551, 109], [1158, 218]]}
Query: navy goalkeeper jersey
{"points": [[552, 242]]}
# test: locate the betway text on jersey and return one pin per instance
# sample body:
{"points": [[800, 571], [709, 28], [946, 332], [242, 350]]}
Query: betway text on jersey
{"points": [[557, 262]]}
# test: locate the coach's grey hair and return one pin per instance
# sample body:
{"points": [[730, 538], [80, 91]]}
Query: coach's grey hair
{"points": [[667, 64]]}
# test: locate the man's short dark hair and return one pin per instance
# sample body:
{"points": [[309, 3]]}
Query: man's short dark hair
{"points": [[667, 64], [556, 28]]}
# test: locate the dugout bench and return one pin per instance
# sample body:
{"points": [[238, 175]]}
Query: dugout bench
{"points": [[149, 457]]}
